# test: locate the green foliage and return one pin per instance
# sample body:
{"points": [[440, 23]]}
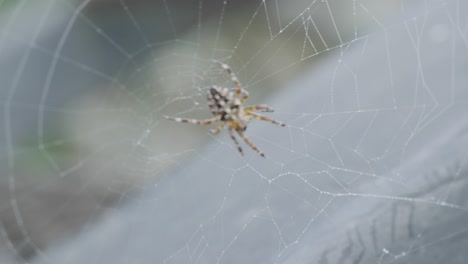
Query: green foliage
{"points": [[7, 4]]}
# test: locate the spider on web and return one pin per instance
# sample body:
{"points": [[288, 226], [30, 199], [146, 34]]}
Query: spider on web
{"points": [[227, 107]]}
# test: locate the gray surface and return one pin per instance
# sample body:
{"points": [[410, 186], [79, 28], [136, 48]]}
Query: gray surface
{"points": [[393, 182], [53, 53]]}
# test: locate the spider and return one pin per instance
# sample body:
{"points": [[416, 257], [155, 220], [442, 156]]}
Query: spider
{"points": [[226, 106]]}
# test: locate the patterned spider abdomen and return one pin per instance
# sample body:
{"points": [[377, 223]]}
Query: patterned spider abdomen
{"points": [[223, 103]]}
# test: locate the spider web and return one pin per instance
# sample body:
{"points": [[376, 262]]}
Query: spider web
{"points": [[371, 166]]}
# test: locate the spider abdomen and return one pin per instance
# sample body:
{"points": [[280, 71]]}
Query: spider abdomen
{"points": [[223, 103]]}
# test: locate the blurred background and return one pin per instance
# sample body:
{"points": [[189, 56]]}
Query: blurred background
{"points": [[85, 83]]}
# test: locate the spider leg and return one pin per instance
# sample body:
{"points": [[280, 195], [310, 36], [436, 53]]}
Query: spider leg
{"points": [[235, 80], [193, 121], [235, 140], [251, 145], [218, 129], [245, 95], [264, 118], [263, 108]]}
